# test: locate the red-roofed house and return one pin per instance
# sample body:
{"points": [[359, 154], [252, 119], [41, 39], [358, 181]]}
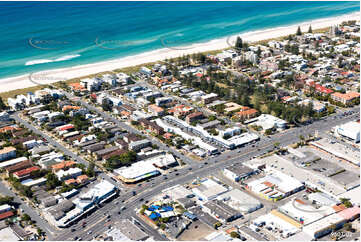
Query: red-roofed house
{"points": [[319, 89], [25, 173], [70, 181], [6, 215], [77, 87], [180, 110], [247, 113], [155, 110], [62, 165], [81, 179], [65, 127], [194, 116]]}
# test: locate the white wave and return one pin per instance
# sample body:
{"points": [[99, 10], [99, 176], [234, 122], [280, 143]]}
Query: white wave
{"points": [[42, 61], [35, 62], [66, 57]]}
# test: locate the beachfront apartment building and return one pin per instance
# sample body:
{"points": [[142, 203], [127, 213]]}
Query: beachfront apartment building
{"points": [[345, 98], [7, 153]]}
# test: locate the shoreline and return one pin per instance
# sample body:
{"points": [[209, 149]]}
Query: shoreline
{"points": [[56, 75]]}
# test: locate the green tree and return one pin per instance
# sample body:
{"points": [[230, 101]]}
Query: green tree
{"points": [[2, 105], [346, 202], [90, 171], [107, 105], [217, 225], [299, 31], [234, 234], [6, 200], [348, 226], [26, 217], [239, 43], [39, 231], [121, 160], [268, 131], [52, 181], [162, 226], [310, 30]]}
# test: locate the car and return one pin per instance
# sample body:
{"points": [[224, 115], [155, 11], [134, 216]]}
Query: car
{"points": [[176, 174], [90, 232], [190, 168], [165, 178], [73, 230], [142, 199], [76, 237], [206, 163], [134, 193]]}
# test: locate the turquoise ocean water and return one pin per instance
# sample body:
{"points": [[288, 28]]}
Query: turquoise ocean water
{"points": [[38, 36]]}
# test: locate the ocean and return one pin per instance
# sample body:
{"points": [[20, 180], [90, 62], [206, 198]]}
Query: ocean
{"points": [[38, 36]]}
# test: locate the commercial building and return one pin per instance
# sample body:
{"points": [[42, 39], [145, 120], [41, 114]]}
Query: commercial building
{"points": [[267, 121], [237, 172], [305, 212], [322, 199], [325, 225], [275, 185], [163, 161], [137, 171], [350, 131], [240, 201], [338, 150], [86, 202], [221, 211], [208, 190]]}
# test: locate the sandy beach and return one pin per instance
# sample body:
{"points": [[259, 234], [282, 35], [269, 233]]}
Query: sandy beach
{"points": [[51, 76]]}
